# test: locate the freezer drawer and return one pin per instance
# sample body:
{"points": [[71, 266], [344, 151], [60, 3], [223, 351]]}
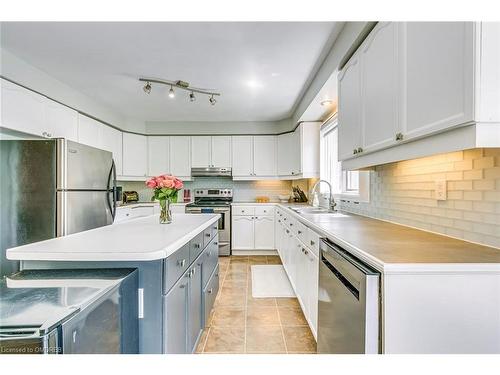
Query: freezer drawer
{"points": [[209, 295], [83, 210]]}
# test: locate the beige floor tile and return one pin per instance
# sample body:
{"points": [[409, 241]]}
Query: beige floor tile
{"points": [[288, 302], [243, 259], [225, 340], [238, 283], [299, 340], [257, 259], [236, 276], [230, 299], [230, 316], [265, 340], [292, 316], [259, 316], [273, 259], [237, 268], [270, 302]]}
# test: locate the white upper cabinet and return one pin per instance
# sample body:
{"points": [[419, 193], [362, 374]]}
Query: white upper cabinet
{"points": [[409, 82], [158, 155], [209, 151], [284, 151], [61, 121], [89, 131], [242, 156], [135, 155], [349, 109], [28, 112], [23, 110], [180, 156], [111, 140], [380, 87], [200, 151], [298, 152], [265, 155], [221, 151], [438, 71]]}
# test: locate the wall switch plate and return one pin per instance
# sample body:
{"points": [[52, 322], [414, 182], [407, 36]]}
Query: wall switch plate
{"points": [[440, 190]]}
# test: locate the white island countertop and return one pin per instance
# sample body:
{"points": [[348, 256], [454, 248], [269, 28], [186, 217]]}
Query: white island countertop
{"points": [[141, 239]]}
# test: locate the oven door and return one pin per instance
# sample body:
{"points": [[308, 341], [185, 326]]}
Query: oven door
{"points": [[224, 224]]}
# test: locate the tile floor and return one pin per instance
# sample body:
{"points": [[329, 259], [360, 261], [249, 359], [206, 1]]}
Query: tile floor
{"points": [[242, 324]]}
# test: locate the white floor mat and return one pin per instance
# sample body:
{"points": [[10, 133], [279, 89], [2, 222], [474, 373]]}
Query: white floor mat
{"points": [[270, 281]]}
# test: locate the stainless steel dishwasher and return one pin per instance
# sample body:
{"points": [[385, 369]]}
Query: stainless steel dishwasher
{"points": [[348, 306]]}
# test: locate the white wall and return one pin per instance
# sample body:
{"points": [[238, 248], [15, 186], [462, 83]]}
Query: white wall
{"points": [[21, 72], [228, 127], [403, 193]]}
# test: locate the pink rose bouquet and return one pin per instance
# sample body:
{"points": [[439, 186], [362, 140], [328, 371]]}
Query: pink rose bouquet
{"points": [[165, 188]]}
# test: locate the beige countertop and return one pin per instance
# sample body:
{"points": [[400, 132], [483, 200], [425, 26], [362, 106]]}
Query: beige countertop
{"points": [[388, 246]]}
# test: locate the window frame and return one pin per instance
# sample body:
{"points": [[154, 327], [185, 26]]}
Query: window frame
{"points": [[362, 195]]}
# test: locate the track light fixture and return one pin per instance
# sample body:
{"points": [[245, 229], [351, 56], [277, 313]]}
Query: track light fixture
{"points": [[180, 85], [171, 93], [147, 88]]}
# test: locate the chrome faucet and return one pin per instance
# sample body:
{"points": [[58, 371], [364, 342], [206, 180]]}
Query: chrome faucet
{"points": [[331, 201]]}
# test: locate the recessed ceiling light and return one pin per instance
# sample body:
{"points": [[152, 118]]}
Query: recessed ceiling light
{"points": [[254, 84], [326, 103]]}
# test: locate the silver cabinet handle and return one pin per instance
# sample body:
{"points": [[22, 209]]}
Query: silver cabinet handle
{"points": [[197, 245], [287, 231], [312, 243], [193, 271], [399, 136], [355, 151], [299, 232], [216, 243], [360, 150], [214, 228], [305, 251], [207, 234], [210, 291], [181, 263], [182, 286]]}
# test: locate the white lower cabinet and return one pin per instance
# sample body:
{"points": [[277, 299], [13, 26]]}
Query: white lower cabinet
{"points": [[253, 228], [301, 264]]}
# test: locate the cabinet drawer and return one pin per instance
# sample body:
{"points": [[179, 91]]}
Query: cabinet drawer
{"points": [[264, 211], [122, 214], [208, 235], [301, 232], [210, 259], [195, 247], [175, 265], [313, 241], [243, 210], [209, 295]]}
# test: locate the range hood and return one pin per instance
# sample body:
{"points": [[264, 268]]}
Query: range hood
{"points": [[211, 172]]}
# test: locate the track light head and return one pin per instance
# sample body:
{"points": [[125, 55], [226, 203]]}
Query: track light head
{"points": [[192, 98], [171, 93], [147, 88], [212, 100]]}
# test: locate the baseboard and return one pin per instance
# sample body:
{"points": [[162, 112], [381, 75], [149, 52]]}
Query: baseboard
{"points": [[253, 252]]}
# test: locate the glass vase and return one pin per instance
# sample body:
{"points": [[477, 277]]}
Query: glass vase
{"points": [[165, 212]]}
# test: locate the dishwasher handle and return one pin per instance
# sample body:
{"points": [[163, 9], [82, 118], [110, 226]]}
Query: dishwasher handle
{"points": [[350, 287]]}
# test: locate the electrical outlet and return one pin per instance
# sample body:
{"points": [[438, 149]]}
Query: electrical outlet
{"points": [[440, 190]]}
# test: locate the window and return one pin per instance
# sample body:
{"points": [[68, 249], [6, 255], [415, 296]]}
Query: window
{"points": [[352, 185]]}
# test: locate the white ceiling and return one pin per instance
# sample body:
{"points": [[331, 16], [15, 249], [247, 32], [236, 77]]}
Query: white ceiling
{"points": [[261, 69]]}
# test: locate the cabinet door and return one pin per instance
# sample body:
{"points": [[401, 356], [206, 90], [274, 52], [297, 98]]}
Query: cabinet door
{"points": [[312, 290], [195, 321], [62, 122], [301, 283], [349, 112], [380, 88], [200, 152], [89, 131], [158, 155], [264, 232], [243, 233], [135, 155], [221, 151], [265, 156], [438, 72], [22, 109], [295, 152], [180, 156], [284, 154], [176, 310], [112, 141], [242, 156]]}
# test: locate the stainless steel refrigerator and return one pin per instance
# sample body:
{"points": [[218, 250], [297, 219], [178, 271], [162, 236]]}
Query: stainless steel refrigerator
{"points": [[51, 188]]}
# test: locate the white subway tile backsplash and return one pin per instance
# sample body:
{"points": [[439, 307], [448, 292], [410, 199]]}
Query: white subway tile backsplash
{"points": [[403, 193]]}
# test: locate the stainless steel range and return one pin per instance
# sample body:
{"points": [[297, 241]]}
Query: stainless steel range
{"points": [[216, 201]]}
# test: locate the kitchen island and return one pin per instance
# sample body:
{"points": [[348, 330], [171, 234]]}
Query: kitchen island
{"points": [[178, 271]]}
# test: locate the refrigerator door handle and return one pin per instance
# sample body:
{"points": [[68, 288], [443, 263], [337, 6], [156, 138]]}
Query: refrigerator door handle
{"points": [[112, 188]]}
